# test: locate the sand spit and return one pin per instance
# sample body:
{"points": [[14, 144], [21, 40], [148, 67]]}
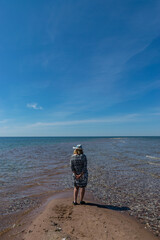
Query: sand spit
{"points": [[60, 220]]}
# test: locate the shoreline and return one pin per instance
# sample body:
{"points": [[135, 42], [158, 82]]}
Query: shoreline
{"points": [[122, 172], [27, 228]]}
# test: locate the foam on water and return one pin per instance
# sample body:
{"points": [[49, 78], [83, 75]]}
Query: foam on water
{"points": [[152, 157]]}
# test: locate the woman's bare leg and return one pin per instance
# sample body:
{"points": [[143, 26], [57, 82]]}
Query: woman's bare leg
{"points": [[76, 189], [82, 192]]}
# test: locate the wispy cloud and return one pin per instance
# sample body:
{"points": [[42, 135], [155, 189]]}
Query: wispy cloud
{"points": [[3, 121], [102, 125], [34, 106], [92, 71], [115, 119], [7, 120], [156, 114]]}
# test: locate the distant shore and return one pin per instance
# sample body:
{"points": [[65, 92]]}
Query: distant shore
{"points": [[58, 219]]}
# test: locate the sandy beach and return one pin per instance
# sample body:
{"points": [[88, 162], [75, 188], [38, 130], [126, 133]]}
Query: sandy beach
{"points": [[59, 219]]}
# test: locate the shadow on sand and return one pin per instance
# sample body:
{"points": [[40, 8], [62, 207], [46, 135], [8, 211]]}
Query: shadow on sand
{"points": [[115, 208]]}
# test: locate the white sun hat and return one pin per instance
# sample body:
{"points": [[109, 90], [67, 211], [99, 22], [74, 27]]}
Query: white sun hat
{"points": [[79, 147]]}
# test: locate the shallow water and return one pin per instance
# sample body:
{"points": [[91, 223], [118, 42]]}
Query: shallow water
{"points": [[122, 172]]}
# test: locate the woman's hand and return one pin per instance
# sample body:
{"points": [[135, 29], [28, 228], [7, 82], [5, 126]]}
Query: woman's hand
{"points": [[78, 176]]}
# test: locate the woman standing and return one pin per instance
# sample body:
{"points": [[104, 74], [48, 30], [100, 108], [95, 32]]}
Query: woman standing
{"points": [[80, 173]]}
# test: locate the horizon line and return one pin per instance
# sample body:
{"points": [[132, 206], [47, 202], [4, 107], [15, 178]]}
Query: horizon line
{"points": [[114, 136]]}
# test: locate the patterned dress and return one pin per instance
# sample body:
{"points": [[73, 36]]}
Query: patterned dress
{"points": [[79, 165]]}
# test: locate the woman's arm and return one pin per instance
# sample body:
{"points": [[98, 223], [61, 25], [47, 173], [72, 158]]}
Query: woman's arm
{"points": [[85, 165], [84, 168], [72, 166], [73, 169]]}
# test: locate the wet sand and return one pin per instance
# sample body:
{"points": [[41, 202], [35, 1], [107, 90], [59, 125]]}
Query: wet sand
{"points": [[58, 219]]}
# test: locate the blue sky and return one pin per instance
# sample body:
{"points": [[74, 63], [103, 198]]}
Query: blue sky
{"points": [[79, 68]]}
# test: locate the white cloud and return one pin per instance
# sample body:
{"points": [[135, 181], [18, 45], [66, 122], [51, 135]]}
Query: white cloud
{"points": [[95, 126], [34, 106], [5, 121], [156, 114], [116, 119]]}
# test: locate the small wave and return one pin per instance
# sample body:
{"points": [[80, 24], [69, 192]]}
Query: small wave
{"points": [[152, 157], [153, 163]]}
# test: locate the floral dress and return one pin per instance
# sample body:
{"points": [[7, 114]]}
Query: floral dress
{"points": [[79, 165]]}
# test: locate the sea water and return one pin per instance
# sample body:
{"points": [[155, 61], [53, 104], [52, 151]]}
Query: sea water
{"points": [[123, 171]]}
